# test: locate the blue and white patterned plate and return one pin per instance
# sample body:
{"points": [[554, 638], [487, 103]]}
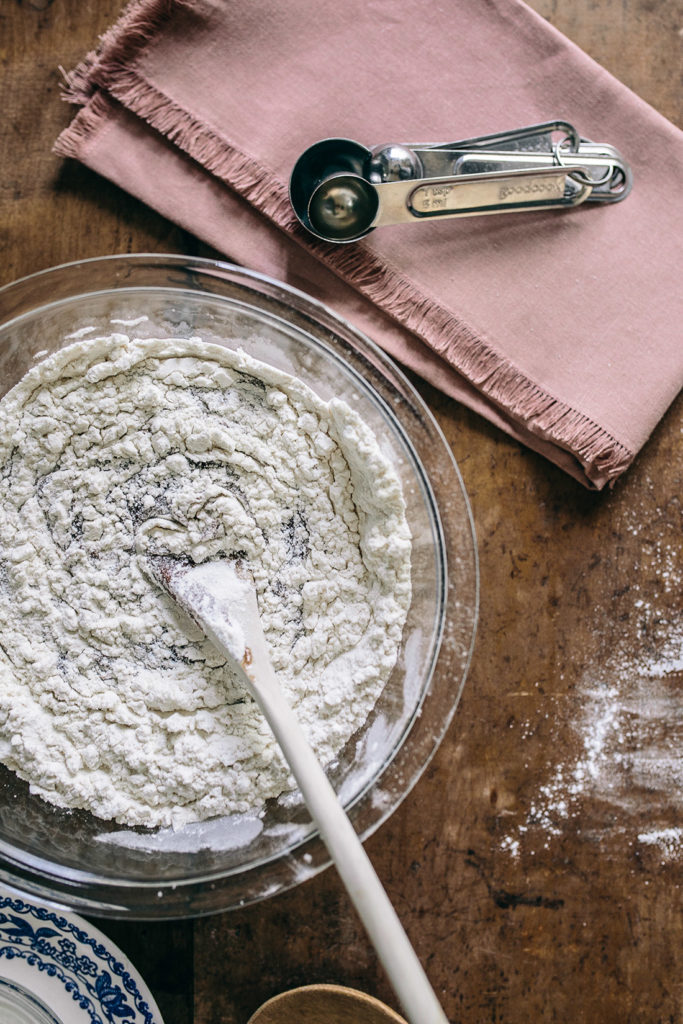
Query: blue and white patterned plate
{"points": [[56, 968]]}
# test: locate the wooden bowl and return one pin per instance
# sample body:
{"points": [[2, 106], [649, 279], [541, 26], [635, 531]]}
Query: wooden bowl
{"points": [[324, 1004]]}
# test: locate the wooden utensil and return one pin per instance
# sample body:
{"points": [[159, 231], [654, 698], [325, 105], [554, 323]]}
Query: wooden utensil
{"points": [[324, 1004]]}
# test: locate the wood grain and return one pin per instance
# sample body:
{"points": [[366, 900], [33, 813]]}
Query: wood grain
{"points": [[537, 864]]}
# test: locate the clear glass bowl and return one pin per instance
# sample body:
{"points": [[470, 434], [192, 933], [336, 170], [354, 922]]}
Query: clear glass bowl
{"points": [[99, 866]]}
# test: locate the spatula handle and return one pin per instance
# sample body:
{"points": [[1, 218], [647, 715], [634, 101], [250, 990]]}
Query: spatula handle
{"points": [[400, 961]]}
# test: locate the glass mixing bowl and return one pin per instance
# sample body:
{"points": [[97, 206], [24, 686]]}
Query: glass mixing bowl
{"points": [[76, 859]]}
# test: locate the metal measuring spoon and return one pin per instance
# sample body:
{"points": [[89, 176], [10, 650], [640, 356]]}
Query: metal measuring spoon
{"points": [[340, 190]]}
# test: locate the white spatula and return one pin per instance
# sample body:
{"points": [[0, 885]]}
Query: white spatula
{"points": [[220, 597]]}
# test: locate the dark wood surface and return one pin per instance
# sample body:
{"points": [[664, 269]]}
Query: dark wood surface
{"points": [[537, 864]]}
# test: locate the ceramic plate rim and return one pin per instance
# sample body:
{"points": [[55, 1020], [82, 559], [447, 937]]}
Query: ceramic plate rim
{"points": [[29, 930]]}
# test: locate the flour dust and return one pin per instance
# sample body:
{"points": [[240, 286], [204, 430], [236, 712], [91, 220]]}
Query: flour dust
{"points": [[627, 733]]}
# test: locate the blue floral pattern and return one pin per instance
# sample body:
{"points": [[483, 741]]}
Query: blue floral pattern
{"points": [[96, 980]]}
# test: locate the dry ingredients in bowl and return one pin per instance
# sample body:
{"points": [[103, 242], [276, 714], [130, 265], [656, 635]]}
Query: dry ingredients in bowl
{"points": [[110, 699]]}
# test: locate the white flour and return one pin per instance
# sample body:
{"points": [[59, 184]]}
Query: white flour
{"points": [[624, 718], [110, 699]]}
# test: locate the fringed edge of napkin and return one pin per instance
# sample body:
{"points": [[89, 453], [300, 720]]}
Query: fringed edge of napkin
{"points": [[110, 72], [136, 27]]}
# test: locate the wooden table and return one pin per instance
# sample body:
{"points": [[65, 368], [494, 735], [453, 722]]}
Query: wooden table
{"points": [[537, 864]]}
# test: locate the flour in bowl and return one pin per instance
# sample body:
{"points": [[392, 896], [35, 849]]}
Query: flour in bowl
{"points": [[110, 699]]}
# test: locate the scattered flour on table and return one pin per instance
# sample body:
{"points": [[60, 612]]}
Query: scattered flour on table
{"points": [[629, 732], [110, 699]]}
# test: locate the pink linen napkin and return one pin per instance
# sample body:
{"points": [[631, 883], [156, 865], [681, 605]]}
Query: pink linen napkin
{"points": [[561, 327]]}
